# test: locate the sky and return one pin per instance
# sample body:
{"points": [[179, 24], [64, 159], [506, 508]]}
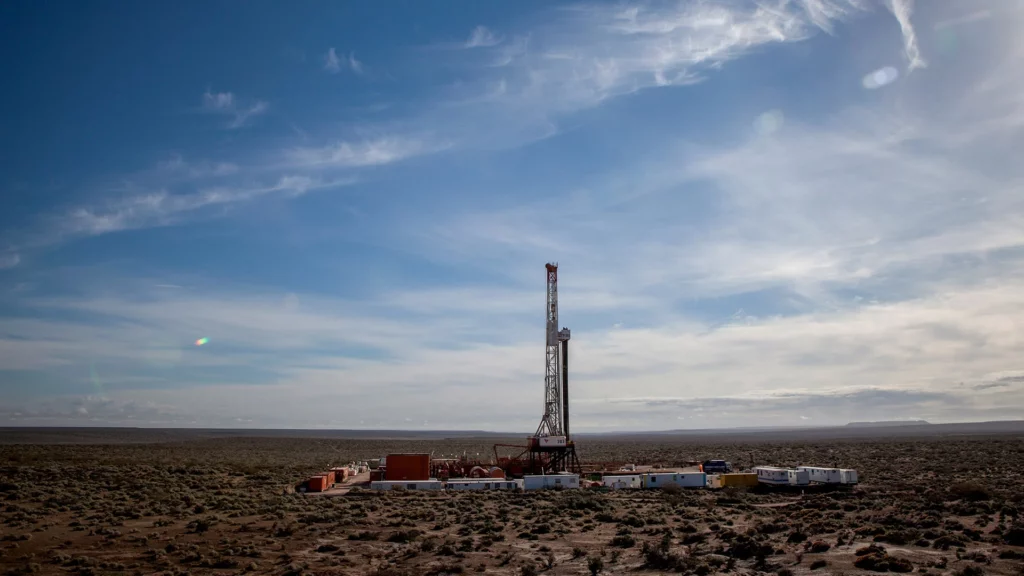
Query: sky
{"points": [[337, 215]]}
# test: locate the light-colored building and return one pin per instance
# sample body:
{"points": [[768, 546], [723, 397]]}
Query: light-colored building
{"points": [[782, 476], [483, 484], [542, 481], [431, 484], [823, 475], [681, 479], [621, 481]]}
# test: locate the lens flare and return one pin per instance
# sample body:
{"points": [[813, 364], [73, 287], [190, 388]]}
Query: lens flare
{"points": [[880, 78], [202, 341]]}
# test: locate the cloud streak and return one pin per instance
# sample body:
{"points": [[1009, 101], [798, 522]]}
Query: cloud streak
{"points": [[482, 37], [225, 103], [371, 152], [902, 10]]}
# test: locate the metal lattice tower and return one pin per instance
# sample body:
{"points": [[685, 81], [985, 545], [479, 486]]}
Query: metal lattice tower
{"points": [[551, 423]]}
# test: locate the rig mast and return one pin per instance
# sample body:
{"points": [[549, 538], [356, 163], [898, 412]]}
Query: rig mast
{"points": [[551, 448], [555, 421]]}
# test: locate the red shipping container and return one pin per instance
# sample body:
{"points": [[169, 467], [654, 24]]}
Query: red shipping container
{"points": [[330, 478], [407, 467], [317, 484], [376, 475]]}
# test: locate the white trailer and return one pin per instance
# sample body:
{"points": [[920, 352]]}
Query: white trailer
{"points": [[620, 481], [799, 477], [484, 484], [847, 476], [542, 481], [823, 475], [681, 479], [782, 476], [431, 484], [714, 481]]}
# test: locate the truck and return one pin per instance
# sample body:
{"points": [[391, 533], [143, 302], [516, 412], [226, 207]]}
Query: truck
{"points": [[716, 466]]}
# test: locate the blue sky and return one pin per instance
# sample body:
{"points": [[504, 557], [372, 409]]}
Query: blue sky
{"points": [[785, 212]]}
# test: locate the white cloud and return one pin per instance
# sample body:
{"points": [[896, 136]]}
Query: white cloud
{"points": [[355, 64], [374, 152], [219, 100], [162, 208], [898, 359], [177, 165], [481, 37], [902, 10], [968, 18], [225, 103], [333, 63]]}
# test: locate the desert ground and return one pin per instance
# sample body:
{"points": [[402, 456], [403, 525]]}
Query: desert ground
{"points": [[135, 502]]}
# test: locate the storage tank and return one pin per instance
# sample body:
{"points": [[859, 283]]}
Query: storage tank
{"points": [[496, 472]]}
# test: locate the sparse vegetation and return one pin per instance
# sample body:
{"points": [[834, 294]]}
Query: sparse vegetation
{"points": [[226, 505]]}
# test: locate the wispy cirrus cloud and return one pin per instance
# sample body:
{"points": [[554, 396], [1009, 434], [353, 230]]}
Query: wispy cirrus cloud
{"points": [[163, 208], [225, 103], [482, 37], [580, 57], [369, 152], [333, 63], [902, 9]]}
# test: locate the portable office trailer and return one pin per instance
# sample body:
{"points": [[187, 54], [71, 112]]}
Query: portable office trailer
{"points": [[847, 476], [823, 475], [618, 482], [799, 477], [681, 479], [406, 485], [772, 475], [542, 481], [483, 484]]}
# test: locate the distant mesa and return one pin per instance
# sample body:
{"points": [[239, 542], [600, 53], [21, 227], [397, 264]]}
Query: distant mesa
{"points": [[887, 423]]}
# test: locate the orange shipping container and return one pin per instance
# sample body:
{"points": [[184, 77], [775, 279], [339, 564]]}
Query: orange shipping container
{"points": [[330, 478], [407, 467], [317, 484]]}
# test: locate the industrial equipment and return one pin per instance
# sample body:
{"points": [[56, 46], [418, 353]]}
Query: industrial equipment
{"points": [[550, 449]]}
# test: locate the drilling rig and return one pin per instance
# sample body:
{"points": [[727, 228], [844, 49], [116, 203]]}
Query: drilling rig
{"points": [[551, 448]]}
